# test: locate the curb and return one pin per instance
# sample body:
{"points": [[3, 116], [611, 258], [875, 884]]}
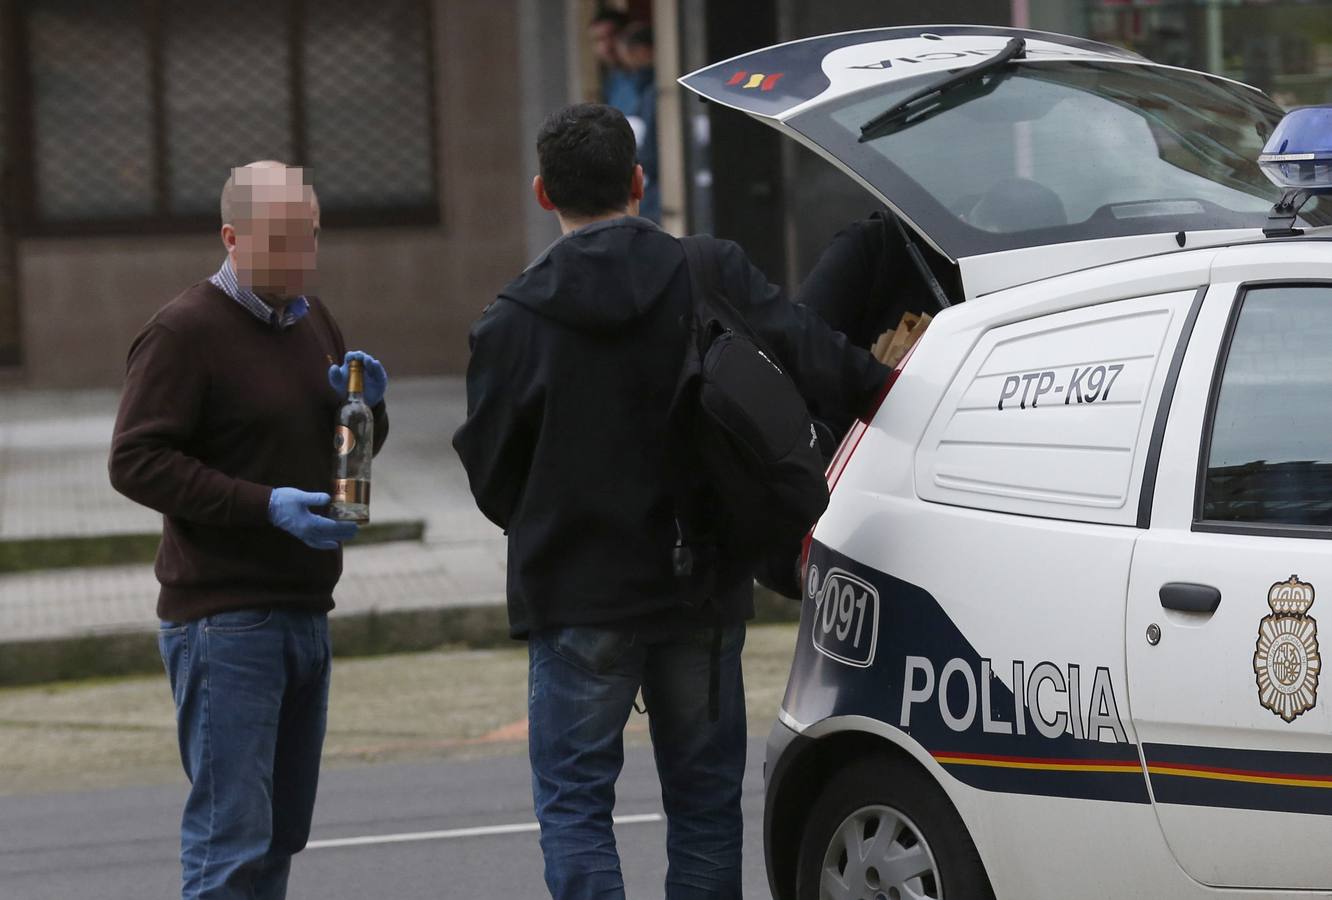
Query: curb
{"points": [[360, 634], [32, 554]]}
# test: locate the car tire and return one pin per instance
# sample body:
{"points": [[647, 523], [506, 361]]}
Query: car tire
{"points": [[930, 853]]}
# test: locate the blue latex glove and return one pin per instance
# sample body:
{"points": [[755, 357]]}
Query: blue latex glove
{"points": [[376, 379], [289, 509]]}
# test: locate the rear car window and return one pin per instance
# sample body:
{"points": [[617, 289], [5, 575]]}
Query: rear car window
{"points": [[1270, 455], [1055, 152]]}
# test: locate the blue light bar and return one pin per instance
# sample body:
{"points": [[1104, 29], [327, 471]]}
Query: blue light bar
{"points": [[1299, 153]]}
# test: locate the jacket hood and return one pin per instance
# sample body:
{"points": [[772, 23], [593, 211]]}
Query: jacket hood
{"points": [[600, 277]]}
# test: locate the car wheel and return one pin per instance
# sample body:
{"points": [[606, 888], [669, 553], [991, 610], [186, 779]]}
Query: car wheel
{"points": [[881, 830]]}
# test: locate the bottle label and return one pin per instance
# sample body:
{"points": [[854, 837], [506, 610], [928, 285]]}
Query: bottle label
{"points": [[351, 490], [344, 441]]}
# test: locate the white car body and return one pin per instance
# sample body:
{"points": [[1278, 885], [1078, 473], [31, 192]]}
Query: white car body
{"points": [[984, 592]]}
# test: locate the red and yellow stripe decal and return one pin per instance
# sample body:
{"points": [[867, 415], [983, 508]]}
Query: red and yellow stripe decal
{"points": [[1275, 780], [1217, 773], [1114, 766], [1179, 770], [1222, 779]]}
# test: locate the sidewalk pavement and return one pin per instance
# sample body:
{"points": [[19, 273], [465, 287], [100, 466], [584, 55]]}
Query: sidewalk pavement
{"points": [[53, 483]]}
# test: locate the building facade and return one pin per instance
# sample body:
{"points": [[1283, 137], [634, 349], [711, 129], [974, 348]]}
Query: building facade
{"points": [[119, 121]]}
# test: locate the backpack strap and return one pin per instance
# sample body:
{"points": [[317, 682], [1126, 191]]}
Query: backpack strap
{"points": [[710, 304], [704, 283], [698, 257], [710, 308], [684, 559], [707, 301]]}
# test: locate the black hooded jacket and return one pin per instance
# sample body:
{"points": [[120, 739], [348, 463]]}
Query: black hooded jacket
{"points": [[864, 281], [566, 441]]}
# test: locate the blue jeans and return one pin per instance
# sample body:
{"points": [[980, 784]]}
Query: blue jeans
{"points": [[251, 691], [582, 684]]}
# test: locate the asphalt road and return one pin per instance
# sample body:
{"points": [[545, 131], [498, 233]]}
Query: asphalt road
{"points": [[455, 829]]}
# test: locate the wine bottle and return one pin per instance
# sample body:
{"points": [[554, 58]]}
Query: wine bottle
{"points": [[353, 443]]}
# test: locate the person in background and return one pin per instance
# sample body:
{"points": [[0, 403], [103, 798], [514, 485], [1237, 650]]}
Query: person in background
{"points": [[641, 110], [617, 83], [226, 427]]}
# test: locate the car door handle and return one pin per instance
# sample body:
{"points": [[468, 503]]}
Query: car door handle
{"points": [[1186, 597]]}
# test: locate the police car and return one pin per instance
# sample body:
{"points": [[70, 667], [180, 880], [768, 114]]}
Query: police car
{"points": [[1060, 628]]}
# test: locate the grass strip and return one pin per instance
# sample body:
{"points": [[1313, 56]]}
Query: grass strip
{"points": [[360, 634]]}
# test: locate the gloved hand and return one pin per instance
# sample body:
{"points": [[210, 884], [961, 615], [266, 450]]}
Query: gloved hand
{"points": [[376, 379], [289, 509]]}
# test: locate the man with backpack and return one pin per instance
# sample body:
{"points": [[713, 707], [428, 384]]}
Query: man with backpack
{"points": [[599, 394]]}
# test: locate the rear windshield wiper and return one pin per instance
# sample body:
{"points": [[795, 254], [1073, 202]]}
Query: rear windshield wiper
{"points": [[880, 124]]}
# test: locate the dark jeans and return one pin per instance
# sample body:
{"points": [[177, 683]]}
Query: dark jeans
{"points": [[583, 682], [251, 691]]}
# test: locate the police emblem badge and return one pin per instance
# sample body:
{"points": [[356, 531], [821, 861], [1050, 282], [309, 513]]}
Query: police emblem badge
{"points": [[1286, 660]]}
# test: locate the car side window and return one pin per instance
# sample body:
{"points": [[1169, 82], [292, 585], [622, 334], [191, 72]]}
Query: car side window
{"points": [[1269, 458]]}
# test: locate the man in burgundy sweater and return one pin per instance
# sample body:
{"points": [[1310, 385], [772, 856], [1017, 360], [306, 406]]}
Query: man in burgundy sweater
{"points": [[226, 427]]}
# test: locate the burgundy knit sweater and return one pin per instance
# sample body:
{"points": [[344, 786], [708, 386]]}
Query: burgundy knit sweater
{"points": [[219, 408]]}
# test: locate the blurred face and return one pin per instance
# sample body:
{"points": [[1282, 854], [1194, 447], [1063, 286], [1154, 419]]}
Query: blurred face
{"points": [[636, 56], [274, 249], [603, 43]]}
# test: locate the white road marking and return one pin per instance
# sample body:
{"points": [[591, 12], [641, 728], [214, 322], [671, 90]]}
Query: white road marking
{"points": [[484, 831]]}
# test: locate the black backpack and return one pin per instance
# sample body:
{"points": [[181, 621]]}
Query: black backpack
{"points": [[753, 441]]}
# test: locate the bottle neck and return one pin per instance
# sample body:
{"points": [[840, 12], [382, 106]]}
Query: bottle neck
{"points": [[355, 381]]}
